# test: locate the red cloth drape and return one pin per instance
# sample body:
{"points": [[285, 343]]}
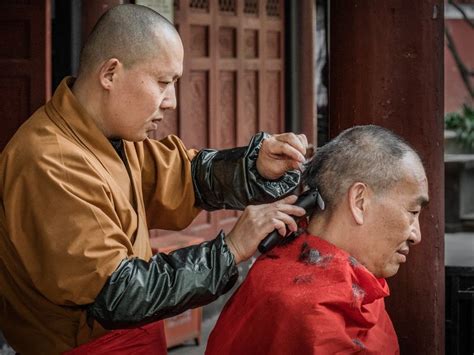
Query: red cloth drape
{"points": [[147, 340], [308, 297]]}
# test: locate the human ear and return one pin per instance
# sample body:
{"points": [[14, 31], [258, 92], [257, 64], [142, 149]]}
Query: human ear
{"points": [[358, 195], [107, 72]]}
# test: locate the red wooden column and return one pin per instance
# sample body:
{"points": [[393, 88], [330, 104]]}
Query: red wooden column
{"points": [[25, 62], [386, 68]]}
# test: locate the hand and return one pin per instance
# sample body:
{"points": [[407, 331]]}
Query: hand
{"points": [[256, 222], [280, 153]]}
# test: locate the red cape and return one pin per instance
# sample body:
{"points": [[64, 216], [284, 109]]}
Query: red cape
{"points": [[308, 297], [145, 340]]}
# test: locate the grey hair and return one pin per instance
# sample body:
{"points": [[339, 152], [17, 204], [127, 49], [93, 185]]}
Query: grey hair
{"points": [[369, 154], [126, 32]]}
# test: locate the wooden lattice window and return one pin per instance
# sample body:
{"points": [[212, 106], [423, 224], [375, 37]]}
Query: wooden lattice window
{"points": [[273, 8], [227, 6], [232, 84], [200, 5], [251, 7]]}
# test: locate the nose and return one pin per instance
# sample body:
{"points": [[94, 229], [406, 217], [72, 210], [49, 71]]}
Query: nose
{"points": [[415, 234], [169, 99]]}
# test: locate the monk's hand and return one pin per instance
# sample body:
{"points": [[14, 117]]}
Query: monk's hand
{"points": [[256, 222], [280, 153]]}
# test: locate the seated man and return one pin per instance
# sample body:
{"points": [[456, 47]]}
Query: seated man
{"points": [[323, 291]]}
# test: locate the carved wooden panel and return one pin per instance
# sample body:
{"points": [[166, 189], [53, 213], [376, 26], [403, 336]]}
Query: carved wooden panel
{"points": [[199, 41], [14, 103], [249, 124], [251, 43], [232, 82], [15, 42], [273, 95], [195, 126], [273, 44], [227, 42], [226, 128], [227, 110], [25, 65]]}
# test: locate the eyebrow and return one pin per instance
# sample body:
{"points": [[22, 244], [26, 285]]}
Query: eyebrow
{"points": [[422, 201]]}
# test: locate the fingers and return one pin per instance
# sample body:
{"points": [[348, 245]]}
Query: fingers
{"points": [[278, 215], [280, 153], [256, 222], [295, 146], [283, 222]]}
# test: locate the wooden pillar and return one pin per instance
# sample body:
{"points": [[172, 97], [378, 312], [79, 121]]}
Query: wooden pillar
{"points": [[301, 88], [306, 66], [386, 68], [25, 62]]}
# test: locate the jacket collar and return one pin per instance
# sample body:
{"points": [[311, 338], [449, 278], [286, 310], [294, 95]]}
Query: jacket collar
{"points": [[66, 111]]}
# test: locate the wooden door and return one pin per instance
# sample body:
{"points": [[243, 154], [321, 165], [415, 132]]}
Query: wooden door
{"points": [[25, 62], [232, 85]]}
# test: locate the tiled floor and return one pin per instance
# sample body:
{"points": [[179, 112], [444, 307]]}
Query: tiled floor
{"points": [[190, 348]]}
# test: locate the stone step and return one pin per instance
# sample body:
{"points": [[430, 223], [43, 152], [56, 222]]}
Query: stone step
{"points": [[467, 217]]}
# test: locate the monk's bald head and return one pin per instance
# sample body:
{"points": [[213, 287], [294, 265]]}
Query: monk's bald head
{"points": [[130, 33]]}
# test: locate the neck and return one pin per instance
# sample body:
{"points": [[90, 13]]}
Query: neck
{"points": [[89, 97], [332, 227]]}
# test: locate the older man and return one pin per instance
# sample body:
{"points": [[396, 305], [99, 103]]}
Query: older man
{"points": [[81, 185], [323, 291]]}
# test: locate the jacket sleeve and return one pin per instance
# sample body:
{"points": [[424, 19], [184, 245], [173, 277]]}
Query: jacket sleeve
{"points": [[140, 292], [229, 178]]}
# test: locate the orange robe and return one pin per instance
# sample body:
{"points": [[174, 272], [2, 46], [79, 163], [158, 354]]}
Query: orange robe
{"points": [[308, 297], [71, 212]]}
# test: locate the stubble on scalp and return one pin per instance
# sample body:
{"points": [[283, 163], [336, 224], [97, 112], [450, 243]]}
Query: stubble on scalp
{"points": [[129, 33], [369, 154]]}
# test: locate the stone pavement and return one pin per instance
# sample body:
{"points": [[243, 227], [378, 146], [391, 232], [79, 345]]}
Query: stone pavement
{"points": [[190, 348]]}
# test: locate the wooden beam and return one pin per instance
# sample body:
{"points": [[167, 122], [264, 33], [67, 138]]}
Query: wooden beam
{"points": [[386, 68]]}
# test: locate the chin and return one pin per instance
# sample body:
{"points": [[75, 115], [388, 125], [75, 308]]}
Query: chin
{"points": [[136, 138], [392, 271]]}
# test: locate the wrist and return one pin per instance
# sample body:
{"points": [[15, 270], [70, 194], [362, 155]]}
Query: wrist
{"points": [[233, 249]]}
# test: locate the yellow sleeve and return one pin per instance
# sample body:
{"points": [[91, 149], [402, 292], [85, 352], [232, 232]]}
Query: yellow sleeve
{"points": [[60, 220]]}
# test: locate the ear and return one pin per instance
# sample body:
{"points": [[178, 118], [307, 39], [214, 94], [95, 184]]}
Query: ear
{"points": [[358, 201], [108, 72]]}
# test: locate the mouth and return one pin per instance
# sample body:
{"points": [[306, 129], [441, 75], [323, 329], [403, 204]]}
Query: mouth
{"points": [[155, 122], [403, 253]]}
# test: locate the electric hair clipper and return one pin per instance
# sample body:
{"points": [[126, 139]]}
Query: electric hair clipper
{"points": [[307, 200]]}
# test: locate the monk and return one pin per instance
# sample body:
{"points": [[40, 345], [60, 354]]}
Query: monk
{"points": [[322, 291], [81, 185]]}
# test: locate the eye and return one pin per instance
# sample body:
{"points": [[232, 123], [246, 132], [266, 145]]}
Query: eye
{"points": [[415, 213], [165, 82]]}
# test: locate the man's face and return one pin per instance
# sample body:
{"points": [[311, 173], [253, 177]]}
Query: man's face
{"points": [[142, 93], [393, 221]]}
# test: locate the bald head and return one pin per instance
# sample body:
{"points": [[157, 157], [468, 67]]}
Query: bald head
{"points": [[130, 33], [369, 154]]}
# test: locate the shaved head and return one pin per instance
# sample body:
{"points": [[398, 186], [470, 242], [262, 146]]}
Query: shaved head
{"points": [[130, 33], [368, 154]]}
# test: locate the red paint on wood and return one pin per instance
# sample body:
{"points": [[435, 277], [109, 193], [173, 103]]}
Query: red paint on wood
{"points": [[386, 68]]}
